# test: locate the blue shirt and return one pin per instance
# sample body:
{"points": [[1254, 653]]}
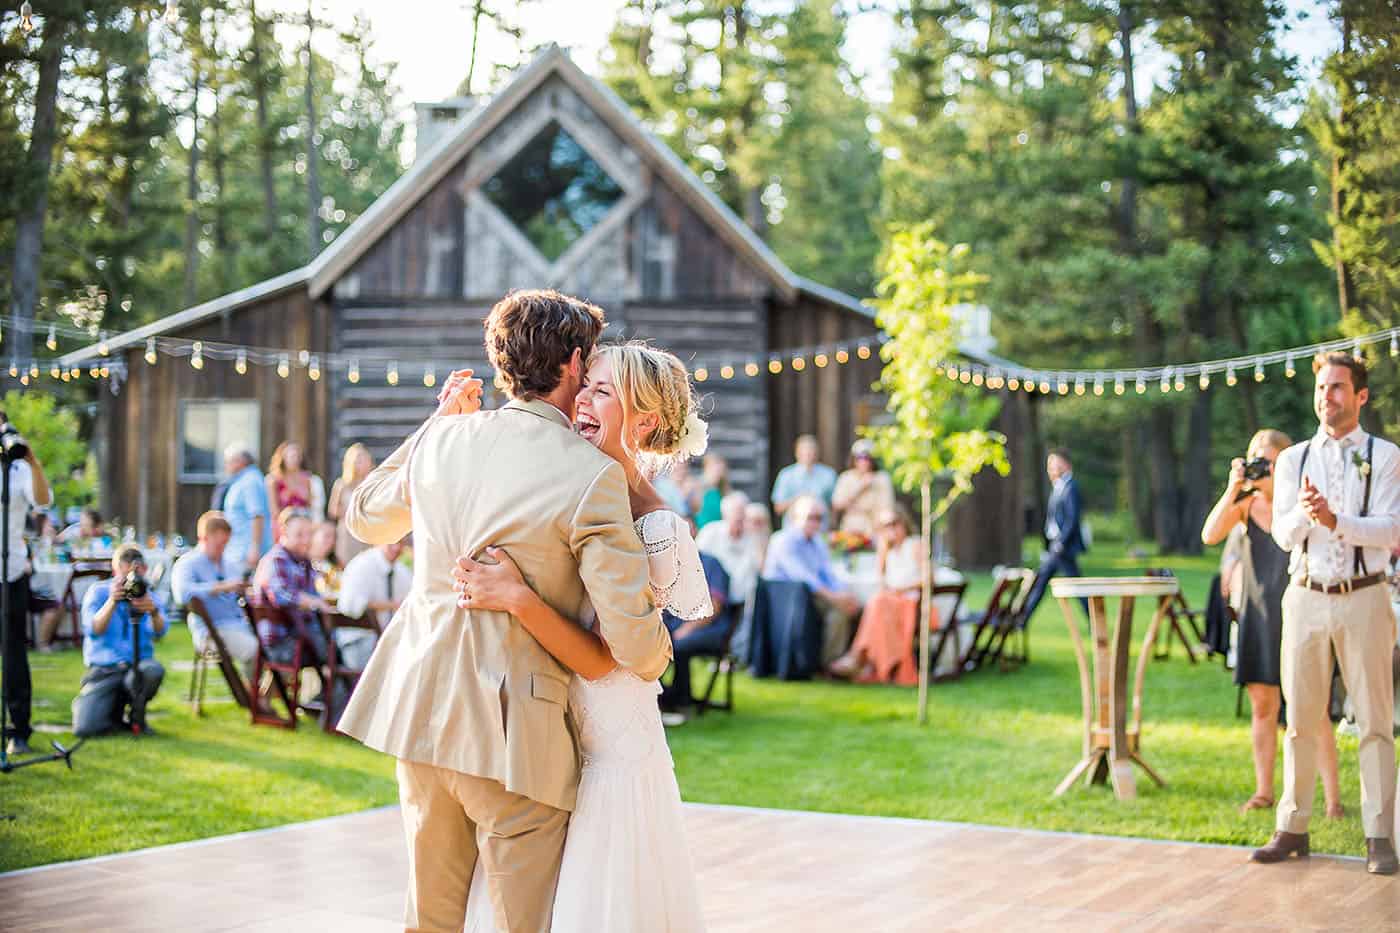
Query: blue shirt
{"points": [[246, 500], [795, 480], [114, 645], [195, 575], [796, 557]]}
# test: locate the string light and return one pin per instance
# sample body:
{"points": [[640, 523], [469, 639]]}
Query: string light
{"points": [[1166, 384], [94, 372], [284, 366], [1230, 378], [701, 374], [66, 376], [978, 379], [1118, 387], [354, 373], [863, 351], [1044, 387], [429, 377], [821, 360], [24, 379], [52, 342], [54, 371], [1205, 380], [197, 358], [391, 374], [965, 376], [240, 364], [1079, 385], [750, 369], [102, 347], [1141, 385], [1180, 383], [26, 26], [843, 356], [1288, 370], [313, 369], [775, 366], [1098, 385], [150, 351], [1061, 386], [798, 364], [1394, 345], [104, 372], [727, 372], [1013, 383], [952, 372], [1259, 371], [14, 370]]}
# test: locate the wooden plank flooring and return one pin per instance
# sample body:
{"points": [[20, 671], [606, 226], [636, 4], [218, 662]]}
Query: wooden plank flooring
{"points": [[761, 871]]}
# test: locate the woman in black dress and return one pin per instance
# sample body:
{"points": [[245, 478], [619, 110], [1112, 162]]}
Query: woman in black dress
{"points": [[1265, 566]]}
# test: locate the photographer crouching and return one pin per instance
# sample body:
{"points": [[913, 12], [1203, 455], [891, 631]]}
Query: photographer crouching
{"points": [[121, 621]]}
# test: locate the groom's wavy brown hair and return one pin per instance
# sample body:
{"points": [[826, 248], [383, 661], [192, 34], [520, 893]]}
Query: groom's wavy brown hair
{"points": [[532, 333]]}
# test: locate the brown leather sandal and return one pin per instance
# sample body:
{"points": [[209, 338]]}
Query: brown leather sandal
{"points": [[1257, 802]]}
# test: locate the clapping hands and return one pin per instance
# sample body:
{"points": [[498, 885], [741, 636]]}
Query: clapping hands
{"points": [[1315, 505]]}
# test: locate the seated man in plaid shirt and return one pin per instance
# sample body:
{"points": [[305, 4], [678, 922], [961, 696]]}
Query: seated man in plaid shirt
{"points": [[284, 580]]}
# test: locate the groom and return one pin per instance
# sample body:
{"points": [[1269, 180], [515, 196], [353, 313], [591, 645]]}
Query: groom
{"points": [[466, 700]]}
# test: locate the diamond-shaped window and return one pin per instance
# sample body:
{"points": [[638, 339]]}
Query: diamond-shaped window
{"points": [[553, 190]]}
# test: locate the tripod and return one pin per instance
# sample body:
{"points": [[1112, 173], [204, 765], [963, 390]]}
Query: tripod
{"points": [[59, 753]]}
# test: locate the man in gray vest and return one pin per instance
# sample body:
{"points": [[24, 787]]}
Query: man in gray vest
{"points": [[1337, 511]]}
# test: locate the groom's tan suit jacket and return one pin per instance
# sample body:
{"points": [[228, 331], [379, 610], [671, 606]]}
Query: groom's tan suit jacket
{"points": [[471, 690]]}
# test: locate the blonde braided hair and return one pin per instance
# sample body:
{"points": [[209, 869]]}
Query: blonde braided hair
{"points": [[652, 382]]}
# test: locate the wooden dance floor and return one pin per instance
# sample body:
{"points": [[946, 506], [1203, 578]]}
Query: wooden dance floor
{"points": [[760, 870]]}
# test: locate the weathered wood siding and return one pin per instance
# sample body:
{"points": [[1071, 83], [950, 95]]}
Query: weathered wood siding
{"points": [[984, 528], [140, 463]]}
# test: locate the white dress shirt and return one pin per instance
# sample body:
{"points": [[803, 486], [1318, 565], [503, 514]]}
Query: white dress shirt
{"points": [[737, 556], [1333, 468], [367, 579]]}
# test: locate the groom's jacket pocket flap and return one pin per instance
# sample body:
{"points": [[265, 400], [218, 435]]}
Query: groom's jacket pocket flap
{"points": [[546, 688]]}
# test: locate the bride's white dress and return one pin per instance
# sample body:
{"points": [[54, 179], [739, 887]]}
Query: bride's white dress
{"points": [[626, 865]]}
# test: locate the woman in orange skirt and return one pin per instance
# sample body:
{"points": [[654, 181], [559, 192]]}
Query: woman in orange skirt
{"points": [[883, 650]]}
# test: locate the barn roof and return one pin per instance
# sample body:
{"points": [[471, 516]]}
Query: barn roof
{"points": [[340, 256]]}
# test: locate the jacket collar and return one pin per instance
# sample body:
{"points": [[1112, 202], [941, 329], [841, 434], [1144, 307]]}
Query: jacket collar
{"points": [[542, 409]]}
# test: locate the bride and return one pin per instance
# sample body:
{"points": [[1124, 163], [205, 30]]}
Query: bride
{"points": [[626, 867]]}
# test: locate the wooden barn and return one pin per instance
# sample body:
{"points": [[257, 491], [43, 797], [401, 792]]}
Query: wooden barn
{"points": [[553, 181]]}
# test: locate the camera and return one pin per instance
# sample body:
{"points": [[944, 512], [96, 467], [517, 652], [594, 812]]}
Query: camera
{"points": [[1257, 469], [135, 587], [12, 444]]}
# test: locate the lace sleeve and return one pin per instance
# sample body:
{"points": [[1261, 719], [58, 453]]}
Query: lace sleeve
{"points": [[677, 576]]}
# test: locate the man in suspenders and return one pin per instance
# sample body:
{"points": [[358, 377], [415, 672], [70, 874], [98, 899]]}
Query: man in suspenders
{"points": [[1337, 511]]}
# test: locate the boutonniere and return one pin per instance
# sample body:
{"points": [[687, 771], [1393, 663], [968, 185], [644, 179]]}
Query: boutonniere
{"points": [[1360, 464]]}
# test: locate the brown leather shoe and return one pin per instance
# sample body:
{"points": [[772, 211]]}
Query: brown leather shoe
{"points": [[1281, 847], [1380, 857]]}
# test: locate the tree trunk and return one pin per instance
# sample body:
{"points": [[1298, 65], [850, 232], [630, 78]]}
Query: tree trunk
{"points": [[478, 10], [1345, 287], [1136, 479], [218, 159], [1198, 493], [1163, 471], [29, 220], [265, 136], [1038, 493], [313, 155], [926, 603], [192, 225]]}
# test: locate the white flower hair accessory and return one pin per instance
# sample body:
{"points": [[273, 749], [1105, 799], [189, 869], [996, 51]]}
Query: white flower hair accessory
{"points": [[695, 437]]}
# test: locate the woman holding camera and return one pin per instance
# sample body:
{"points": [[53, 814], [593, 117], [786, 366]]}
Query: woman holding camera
{"points": [[1248, 502]]}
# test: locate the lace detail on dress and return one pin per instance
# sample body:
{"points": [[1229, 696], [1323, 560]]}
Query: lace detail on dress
{"points": [[677, 576]]}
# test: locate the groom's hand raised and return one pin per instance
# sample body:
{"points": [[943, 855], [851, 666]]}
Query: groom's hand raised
{"points": [[460, 395]]}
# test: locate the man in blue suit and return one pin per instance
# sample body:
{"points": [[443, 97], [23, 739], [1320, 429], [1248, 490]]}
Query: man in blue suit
{"points": [[1063, 536]]}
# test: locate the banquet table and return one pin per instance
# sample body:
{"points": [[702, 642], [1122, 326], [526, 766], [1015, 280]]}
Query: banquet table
{"points": [[53, 576]]}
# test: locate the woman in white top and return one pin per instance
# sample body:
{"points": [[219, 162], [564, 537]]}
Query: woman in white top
{"points": [[626, 866], [883, 647]]}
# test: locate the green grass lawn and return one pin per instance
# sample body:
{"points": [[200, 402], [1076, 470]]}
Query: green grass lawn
{"points": [[994, 748]]}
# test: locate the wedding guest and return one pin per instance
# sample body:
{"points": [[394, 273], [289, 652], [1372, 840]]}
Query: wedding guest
{"points": [[1064, 538], [863, 493], [246, 508], [806, 477], [211, 573], [29, 489], [883, 647], [291, 486], [324, 560], [1258, 598], [374, 581], [355, 466], [729, 542], [798, 554], [677, 489], [714, 485], [758, 525], [286, 581], [1337, 513], [87, 532], [117, 677], [697, 637]]}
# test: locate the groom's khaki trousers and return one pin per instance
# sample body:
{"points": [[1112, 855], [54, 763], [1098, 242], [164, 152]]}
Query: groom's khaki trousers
{"points": [[1360, 627], [451, 819]]}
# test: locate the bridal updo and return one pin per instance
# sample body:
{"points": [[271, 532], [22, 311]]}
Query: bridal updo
{"points": [[649, 381]]}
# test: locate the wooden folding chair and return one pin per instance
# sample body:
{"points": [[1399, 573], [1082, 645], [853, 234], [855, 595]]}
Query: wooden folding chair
{"points": [[1183, 622], [215, 654], [947, 628], [284, 679], [71, 606], [334, 672], [999, 619]]}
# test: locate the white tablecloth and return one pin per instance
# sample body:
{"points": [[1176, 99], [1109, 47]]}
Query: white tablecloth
{"points": [[53, 577]]}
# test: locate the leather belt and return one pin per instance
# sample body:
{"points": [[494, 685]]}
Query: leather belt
{"points": [[1346, 586]]}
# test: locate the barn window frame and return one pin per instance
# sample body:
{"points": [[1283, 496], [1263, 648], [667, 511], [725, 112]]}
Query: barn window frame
{"points": [[197, 413]]}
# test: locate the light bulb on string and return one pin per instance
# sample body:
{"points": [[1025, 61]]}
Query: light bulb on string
{"points": [[965, 376], [197, 357], [775, 366], [1028, 385], [1230, 378], [1288, 370], [750, 369], [353, 374], [1141, 384], [24, 379], [1356, 349], [978, 379], [94, 372], [240, 364], [303, 357], [1204, 380], [798, 364], [1013, 383], [1118, 387], [150, 351], [953, 372], [843, 356], [66, 376], [726, 372], [702, 374], [1259, 371], [821, 359], [52, 341], [1044, 386], [1098, 385], [1079, 385], [429, 377], [1394, 344], [1061, 386], [104, 372], [284, 366], [391, 373], [1180, 382], [54, 370], [102, 347], [313, 369], [26, 21], [14, 370], [863, 351], [1166, 383]]}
